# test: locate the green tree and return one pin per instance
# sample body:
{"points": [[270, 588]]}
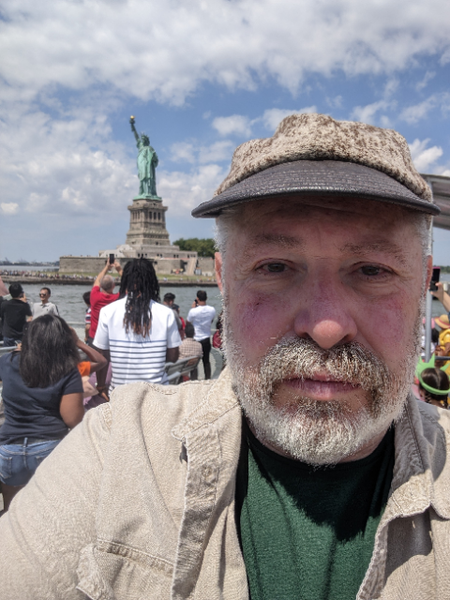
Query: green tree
{"points": [[204, 247]]}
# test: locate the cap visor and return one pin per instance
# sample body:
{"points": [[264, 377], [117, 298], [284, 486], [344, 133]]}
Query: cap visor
{"points": [[317, 177]]}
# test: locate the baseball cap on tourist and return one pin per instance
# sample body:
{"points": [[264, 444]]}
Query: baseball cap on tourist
{"points": [[312, 154]]}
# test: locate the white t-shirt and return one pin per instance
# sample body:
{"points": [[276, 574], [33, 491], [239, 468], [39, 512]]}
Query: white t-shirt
{"points": [[201, 318], [39, 308], [133, 357]]}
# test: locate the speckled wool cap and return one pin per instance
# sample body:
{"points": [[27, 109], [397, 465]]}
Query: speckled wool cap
{"points": [[312, 154]]}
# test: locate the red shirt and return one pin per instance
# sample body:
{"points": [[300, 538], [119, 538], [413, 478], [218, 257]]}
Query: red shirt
{"points": [[99, 300]]}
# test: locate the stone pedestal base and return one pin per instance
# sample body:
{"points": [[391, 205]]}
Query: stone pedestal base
{"points": [[147, 222]]}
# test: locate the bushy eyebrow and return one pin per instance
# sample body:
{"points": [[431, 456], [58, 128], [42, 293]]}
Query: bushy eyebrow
{"points": [[271, 239], [276, 239], [385, 246]]}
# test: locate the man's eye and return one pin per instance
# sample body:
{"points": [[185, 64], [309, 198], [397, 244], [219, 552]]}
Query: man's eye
{"points": [[371, 270], [275, 267]]}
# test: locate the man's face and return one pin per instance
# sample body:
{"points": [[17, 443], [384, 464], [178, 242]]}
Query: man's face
{"points": [[44, 296], [321, 323]]}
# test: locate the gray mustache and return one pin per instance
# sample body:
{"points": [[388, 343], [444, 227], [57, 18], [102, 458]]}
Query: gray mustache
{"points": [[301, 357]]}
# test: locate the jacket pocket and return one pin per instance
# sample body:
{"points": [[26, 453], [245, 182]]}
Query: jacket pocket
{"points": [[110, 571]]}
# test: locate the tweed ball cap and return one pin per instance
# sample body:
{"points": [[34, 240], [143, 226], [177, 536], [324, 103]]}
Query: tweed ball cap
{"points": [[312, 154]]}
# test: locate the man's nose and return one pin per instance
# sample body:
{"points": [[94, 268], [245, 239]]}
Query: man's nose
{"points": [[325, 316]]}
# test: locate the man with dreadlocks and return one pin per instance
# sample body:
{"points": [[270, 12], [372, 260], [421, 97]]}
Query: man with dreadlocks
{"points": [[136, 333]]}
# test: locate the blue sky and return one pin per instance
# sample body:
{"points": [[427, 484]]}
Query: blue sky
{"points": [[200, 78]]}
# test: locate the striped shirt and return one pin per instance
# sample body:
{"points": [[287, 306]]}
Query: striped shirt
{"points": [[133, 357]]}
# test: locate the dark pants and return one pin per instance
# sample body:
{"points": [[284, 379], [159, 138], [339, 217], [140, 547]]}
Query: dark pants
{"points": [[206, 345], [8, 342]]}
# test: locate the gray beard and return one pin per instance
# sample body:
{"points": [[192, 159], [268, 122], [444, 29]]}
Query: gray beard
{"points": [[314, 431]]}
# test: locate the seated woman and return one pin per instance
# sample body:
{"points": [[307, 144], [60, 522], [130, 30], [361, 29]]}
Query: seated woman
{"points": [[434, 387], [43, 399]]}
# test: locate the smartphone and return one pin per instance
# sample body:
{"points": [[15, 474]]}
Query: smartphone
{"points": [[111, 259], [435, 278], [196, 302]]}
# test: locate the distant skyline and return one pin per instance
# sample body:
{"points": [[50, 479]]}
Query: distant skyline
{"points": [[200, 78]]}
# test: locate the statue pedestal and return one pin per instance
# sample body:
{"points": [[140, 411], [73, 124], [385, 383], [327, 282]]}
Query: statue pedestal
{"points": [[147, 222]]}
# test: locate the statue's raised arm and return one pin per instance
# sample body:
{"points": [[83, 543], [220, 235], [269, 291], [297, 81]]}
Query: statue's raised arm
{"points": [[133, 129], [147, 161]]}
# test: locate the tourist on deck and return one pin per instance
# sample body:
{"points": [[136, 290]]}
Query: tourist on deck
{"points": [[14, 314], [43, 399], [434, 387], [201, 316], [102, 294], [137, 333], [44, 307], [169, 301], [87, 317], [190, 348]]}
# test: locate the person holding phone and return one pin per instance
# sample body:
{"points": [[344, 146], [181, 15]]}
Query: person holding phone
{"points": [[102, 293], [437, 290]]}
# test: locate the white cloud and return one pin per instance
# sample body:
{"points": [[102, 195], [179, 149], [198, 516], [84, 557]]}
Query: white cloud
{"points": [[390, 88], [273, 116], [423, 157], [335, 101], [60, 167], [183, 152], [413, 114], [184, 191], [366, 114], [217, 152], [164, 51], [9, 208], [429, 75], [232, 125], [193, 152]]}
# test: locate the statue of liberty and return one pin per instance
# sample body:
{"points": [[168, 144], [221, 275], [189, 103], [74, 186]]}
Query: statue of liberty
{"points": [[147, 161]]}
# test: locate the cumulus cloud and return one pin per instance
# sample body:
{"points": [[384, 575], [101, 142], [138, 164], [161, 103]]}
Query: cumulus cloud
{"points": [[232, 125], [64, 166], [9, 208], [196, 152], [183, 191], [423, 157], [164, 51], [429, 75], [273, 116], [415, 113], [183, 152], [367, 114]]}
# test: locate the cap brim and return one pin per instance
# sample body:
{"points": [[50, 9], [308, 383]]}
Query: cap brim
{"points": [[317, 177]]}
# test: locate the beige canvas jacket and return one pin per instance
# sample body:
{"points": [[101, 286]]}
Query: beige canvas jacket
{"points": [[137, 503]]}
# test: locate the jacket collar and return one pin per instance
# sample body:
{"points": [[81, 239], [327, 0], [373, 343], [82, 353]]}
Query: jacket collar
{"points": [[421, 471]]}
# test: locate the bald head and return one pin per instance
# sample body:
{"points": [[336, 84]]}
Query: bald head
{"points": [[107, 284]]}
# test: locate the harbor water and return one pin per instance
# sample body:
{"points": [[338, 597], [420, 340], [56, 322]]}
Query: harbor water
{"points": [[69, 299]]}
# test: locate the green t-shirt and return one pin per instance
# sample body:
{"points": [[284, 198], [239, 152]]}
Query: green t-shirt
{"points": [[308, 532]]}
